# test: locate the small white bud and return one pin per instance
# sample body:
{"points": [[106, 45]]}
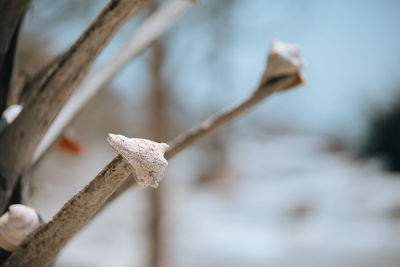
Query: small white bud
{"points": [[16, 224]]}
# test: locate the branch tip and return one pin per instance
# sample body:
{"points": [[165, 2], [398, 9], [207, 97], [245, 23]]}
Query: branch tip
{"points": [[145, 156], [283, 59]]}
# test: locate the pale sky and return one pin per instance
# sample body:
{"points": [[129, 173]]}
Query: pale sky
{"points": [[351, 49]]}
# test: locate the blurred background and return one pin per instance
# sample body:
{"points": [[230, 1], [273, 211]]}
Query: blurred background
{"points": [[308, 178]]}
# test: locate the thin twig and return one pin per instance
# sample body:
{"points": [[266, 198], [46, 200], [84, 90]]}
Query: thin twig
{"points": [[216, 121], [151, 29], [286, 64], [41, 246], [21, 137]]}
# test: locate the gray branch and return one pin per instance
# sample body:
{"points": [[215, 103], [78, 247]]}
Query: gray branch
{"points": [[51, 90], [42, 246], [11, 16]]}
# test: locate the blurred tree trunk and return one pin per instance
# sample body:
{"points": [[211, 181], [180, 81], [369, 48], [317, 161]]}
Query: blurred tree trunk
{"points": [[158, 131]]}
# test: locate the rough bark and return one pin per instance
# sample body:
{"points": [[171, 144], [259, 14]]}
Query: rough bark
{"points": [[41, 247], [52, 90], [11, 17]]}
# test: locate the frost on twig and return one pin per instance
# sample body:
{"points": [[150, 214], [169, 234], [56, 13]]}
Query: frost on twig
{"points": [[146, 157]]}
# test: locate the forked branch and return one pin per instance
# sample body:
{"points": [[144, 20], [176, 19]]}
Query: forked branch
{"points": [[151, 29], [51, 237], [51, 90]]}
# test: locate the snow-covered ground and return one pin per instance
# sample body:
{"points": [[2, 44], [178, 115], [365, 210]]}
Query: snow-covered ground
{"points": [[286, 200]]}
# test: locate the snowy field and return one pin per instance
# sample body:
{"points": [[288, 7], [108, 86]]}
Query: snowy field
{"points": [[286, 200]]}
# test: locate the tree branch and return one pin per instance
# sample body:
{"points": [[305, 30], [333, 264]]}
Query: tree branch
{"points": [[41, 246], [53, 89], [11, 14], [215, 122], [143, 157], [282, 73], [151, 29]]}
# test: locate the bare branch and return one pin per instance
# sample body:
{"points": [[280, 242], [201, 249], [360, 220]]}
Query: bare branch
{"points": [[41, 246], [217, 121], [53, 89], [11, 14], [286, 63], [143, 157], [148, 31]]}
